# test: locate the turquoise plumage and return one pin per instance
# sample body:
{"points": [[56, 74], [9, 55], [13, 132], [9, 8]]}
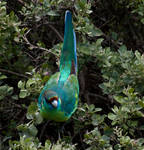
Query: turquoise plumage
{"points": [[59, 98]]}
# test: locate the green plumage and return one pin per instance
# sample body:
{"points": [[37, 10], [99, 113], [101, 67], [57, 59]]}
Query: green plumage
{"points": [[59, 97]]}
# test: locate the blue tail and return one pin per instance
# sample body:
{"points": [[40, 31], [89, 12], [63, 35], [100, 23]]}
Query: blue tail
{"points": [[68, 59]]}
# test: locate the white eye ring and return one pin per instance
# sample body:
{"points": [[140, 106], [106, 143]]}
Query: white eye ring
{"points": [[54, 103]]}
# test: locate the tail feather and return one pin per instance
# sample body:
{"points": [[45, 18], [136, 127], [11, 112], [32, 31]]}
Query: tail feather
{"points": [[68, 59]]}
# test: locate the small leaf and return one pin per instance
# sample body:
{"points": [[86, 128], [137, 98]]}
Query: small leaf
{"points": [[125, 109], [23, 93], [48, 145], [3, 89], [95, 122], [142, 20], [97, 32], [114, 35], [91, 107], [15, 97], [105, 138], [99, 41], [52, 13], [119, 99], [10, 90], [2, 77], [112, 116], [32, 109], [21, 84], [131, 90], [39, 118], [98, 109], [33, 130], [138, 55], [30, 82], [16, 39], [141, 103]]}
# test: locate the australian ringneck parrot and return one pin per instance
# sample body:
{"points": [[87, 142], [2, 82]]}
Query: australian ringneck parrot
{"points": [[59, 98]]}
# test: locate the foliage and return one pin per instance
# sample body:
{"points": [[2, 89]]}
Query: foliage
{"points": [[10, 36], [119, 69], [32, 86], [5, 90], [30, 43], [139, 10], [34, 144]]}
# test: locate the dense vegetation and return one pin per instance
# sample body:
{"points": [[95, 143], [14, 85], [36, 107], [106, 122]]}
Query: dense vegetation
{"points": [[110, 46]]}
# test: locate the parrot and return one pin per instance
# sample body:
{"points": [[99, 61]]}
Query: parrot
{"points": [[58, 99]]}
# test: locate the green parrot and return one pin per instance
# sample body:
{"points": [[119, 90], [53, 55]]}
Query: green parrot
{"points": [[59, 98]]}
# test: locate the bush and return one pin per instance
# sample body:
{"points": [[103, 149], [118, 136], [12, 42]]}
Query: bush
{"points": [[111, 76]]}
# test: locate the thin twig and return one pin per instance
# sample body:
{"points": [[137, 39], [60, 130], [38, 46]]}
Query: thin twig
{"points": [[98, 96], [43, 129], [107, 22], [22, 2], [111, 40], [55, 30], [29, 55], [34, 46], [14, 73], [16, 105]]}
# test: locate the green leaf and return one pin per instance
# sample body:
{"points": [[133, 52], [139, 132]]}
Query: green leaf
{"points": [[95, 122], [21, 84], [52, 13], [92, 31], [138, 55], [33, 130], [15, 97], [99, 41], [39, 118], [141, 103], [142, 20], [30, 82], [97, 32], [10, 90], [119, 99], [97, 119], [23, 93], [131, 90], [28, 130], [125, 109], [105, 138], [98, 109], [2, 77], [31, 110], [16, 39], [112, 116], [48, 145], [41, 1], [34, 114], [3, 89], [114, 35], [91, 107]]}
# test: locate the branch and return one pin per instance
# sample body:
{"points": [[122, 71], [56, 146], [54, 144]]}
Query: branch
{"points": [[34, 46], [43, 129], [55, 30], [14, 73], [22, 2]]}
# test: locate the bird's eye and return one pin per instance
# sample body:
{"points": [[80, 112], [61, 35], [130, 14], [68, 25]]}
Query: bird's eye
{"points": [[54, 103]]}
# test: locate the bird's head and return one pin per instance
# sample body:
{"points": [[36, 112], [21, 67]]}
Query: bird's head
{"points": [[52, 101]]}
